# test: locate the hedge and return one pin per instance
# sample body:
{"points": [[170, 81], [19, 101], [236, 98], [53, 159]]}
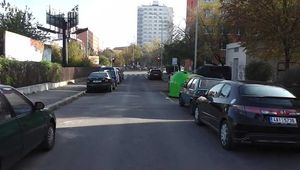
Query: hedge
{"points": [[19, 74]]}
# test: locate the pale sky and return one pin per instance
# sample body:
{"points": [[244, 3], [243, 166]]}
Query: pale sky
{"points": [[113, 21]]}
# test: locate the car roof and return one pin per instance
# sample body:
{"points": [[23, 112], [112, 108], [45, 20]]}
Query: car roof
{"points": [[5, 86], [245, 82]]}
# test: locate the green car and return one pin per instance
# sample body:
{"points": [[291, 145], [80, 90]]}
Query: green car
{"points": [[23, 126]]}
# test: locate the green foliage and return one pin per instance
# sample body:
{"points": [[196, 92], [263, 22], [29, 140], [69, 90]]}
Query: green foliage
{"points": [[56, 54], [258, 71], [76, 54], [104, 61], [20, 21], [290, 77], [271, 28], [16, 73], [150, 52]]}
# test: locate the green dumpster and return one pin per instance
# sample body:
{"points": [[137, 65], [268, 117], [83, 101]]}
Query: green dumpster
{"points": [[176, 82]]}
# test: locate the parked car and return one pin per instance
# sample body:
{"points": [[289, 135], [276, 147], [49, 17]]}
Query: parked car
{"points": [[121, 73], [194, 88], [250, 112], [222, 72], [113, 73], [155, 74], [99, 81], [23, 126]]}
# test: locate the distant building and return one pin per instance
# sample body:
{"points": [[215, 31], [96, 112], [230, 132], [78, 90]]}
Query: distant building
{"points": [[191, 14], [89, 41], [236, 58], [155, 22]]}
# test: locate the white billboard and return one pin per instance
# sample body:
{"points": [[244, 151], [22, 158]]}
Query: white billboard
{"points": [[22, 48]]}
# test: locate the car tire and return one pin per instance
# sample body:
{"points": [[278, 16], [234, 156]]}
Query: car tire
{"points": [[197, 118], [225, 136], [181, 102], [49, 139]]}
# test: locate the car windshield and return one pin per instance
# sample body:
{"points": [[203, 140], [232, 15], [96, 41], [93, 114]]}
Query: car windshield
{"points": [[98, 75], [155, 71], [208, 83], [264, 91]]}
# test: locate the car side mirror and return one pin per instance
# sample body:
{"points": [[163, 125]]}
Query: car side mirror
{"points": [[209, 99], [39, 105]]}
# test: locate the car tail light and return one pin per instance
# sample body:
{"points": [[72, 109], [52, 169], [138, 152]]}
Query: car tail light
{"points": [[267, 111]]}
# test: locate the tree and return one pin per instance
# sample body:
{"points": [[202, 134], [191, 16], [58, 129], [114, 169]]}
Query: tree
{"points": [[103, 61], [150, 53], [132, 54], [20, 21], [76, 54], [211, 34], [56, 54], [182, 46], [271, 27]]}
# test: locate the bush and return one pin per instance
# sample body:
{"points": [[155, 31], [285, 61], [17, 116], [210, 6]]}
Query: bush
{"points": [[18, 74], [258, 71], [290, 77]]}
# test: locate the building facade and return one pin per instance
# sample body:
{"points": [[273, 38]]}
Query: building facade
{"points": [[89, 41], [191, 14], [155, 22]]}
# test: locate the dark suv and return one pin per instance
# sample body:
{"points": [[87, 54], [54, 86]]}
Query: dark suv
{"points": [[222, 72], [155, 74]]}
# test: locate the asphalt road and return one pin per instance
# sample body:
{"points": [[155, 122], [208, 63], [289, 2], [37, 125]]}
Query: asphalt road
{"points": [[139, 127]]}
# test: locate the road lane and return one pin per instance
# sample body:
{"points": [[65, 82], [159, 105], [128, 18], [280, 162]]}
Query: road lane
{"points": [[138, 127]]}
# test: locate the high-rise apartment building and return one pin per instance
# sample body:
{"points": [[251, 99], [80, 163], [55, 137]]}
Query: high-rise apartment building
{"points": [[155, 22]]}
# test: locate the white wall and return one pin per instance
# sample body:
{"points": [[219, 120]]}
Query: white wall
{"points": [[236, 53], [22, 48]]}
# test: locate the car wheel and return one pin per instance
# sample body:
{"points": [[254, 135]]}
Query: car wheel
{"points": [[181, 102], [225, 135], [197, 116], [49, 140]]}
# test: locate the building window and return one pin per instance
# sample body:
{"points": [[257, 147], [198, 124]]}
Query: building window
{"points": [[208, 13], [236, 49], [209, 1]]}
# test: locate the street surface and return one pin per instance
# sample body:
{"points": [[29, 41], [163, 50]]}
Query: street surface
{"points": [[139, 127]]}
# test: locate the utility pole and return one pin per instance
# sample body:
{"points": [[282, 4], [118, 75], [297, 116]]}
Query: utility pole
{"points": [[87, 43], [196, 36]]}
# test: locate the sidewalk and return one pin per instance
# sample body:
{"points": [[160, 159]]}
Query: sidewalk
{"points": [[56, 97]]}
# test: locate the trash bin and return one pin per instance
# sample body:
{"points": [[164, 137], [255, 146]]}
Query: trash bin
{"points": [[176, 82]]}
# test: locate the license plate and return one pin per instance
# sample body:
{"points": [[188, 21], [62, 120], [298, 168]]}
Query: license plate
{"points": [[283, 120], [97, 81]]}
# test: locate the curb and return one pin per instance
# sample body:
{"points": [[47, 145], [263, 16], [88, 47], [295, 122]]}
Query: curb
{"points": [[56, 105], [47, 86]]}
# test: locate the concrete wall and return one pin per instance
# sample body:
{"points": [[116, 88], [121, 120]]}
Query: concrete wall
{"points": [[236, 58]]}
